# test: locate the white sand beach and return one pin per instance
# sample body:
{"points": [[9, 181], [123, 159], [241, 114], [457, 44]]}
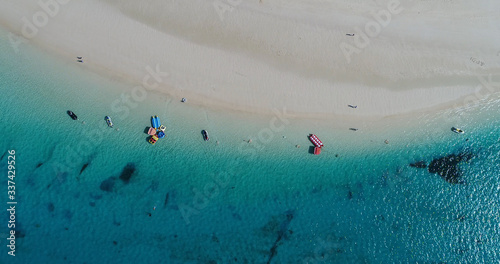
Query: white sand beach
{"points": [[256, 56]]}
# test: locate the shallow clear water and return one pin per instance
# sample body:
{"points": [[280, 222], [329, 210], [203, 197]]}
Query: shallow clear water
{"points": [[233, 202]]}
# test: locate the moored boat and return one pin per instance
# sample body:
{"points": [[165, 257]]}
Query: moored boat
{"points": [[155, 121], [152, 131], [108, 121], [158, 124], [72, 115], [457, 130], [317, 151], [153, 139], [315, 140], [205, 135]]}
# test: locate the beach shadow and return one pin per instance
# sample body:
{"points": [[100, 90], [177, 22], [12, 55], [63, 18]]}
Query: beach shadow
{"points": [[311, 150]]}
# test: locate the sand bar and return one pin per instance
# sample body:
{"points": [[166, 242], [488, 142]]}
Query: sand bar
{"points": [[256, 56]]}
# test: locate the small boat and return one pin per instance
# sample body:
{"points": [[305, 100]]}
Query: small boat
{"points": [[108, 121], [155, 121], [72, 115], [158, 121], [162, 128], [315, 140], [161, 134], [153, 139], [205, 135], [457, 130], [317, 151], [183, 100], [152, 131]]}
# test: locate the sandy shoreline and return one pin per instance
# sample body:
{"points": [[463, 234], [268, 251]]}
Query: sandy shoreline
{"points": [[256, 57]]}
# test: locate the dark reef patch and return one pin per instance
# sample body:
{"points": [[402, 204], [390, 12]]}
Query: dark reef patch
{"points": [[20, 234], [282, 231], [84, 167], [67, 214], [166, 200], [127, 172], [448, 167], [108, 185], [419, 164], [51, 207]]}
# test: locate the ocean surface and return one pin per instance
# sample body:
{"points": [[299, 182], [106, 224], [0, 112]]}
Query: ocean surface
{"points": [[87, 193]]}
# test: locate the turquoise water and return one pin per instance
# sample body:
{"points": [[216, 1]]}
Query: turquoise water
{"points": [[191, 201]]}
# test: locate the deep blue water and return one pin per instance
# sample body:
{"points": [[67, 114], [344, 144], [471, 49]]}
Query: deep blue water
{"points": [[190, 201]]}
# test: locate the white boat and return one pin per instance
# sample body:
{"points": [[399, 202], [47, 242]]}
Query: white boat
{"points": [[457, 130], [108, 121]]}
